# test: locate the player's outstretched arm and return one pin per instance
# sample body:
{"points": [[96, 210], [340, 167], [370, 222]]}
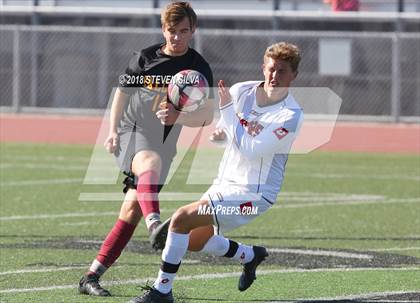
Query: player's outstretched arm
{"points": [[117, 108]]}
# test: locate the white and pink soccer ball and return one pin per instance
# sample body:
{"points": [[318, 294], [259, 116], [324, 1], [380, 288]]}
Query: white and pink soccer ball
{"points": [[188, 90]]}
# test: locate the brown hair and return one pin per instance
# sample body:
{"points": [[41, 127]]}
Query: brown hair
{"points": [[175, 12], [284, 51]]}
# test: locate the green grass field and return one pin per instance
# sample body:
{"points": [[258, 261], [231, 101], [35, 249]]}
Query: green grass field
{"points": [[346, 226]]}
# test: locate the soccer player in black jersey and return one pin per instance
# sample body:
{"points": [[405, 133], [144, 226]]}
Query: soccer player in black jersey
{"points": [[144, 129]]}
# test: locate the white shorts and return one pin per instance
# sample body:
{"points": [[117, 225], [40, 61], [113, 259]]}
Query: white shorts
{"points": [[233, 206]]}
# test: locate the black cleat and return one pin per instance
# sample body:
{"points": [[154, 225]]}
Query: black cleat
{"points": [[153, 296], [89, 285], [158, 234], [248, 273]]}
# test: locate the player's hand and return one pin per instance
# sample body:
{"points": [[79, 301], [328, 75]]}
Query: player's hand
{"points": [[224, 95], [167, 114], [218, 135], [111, 142]]}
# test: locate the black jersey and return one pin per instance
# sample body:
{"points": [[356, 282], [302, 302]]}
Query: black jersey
{"points": [[147, 77]]}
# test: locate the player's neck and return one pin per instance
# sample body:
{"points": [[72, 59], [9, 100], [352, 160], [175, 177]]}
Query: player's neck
{"points": [[266, 96], [171, 53]]}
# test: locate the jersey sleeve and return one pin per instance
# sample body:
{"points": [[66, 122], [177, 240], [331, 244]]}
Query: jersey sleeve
{"points": [[135, 68], [277, 138]]}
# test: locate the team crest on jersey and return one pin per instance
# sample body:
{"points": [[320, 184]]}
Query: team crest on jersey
{"points": [[280, 132]]}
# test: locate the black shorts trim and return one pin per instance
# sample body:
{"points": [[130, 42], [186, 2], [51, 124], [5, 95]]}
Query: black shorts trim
{"points": [[268, 201]]}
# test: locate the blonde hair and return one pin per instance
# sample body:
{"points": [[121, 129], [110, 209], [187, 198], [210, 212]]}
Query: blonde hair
{"points": [[284, 51], [175, 12]]}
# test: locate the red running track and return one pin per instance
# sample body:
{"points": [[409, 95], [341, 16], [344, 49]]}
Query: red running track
{"points": [[346, 136]]}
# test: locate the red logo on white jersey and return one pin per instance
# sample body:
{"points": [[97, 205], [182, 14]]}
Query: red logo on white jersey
{"points": [[164, 281], [254, 128], [242, 256], [245, 205], [280, 132]]}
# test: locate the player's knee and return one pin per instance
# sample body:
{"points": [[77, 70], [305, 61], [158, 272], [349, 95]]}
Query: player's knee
{"points": [[130, 212], [179, 221], [146, 160], [153, 161]]}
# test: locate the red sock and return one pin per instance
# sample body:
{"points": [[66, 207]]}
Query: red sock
{"points": [[115, 242], [147, 192]]}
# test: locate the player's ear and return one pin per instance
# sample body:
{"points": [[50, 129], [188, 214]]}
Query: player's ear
{"points": [[193, 29]]}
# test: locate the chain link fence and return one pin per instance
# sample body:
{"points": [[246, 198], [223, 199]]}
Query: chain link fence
{"points": [[376, 74]]}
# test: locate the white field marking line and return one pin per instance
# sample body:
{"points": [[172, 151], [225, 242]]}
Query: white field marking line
{"points": [[394, 248], [164, 196], [26, 271], [176, 196], [42, 182], [363, 296], [44, 166], [210, 276], [49, 159], [277, 206], [355, 176], [350, 203], [338, 198], [165, 210], [68, 215], [76, 223], [56, 216], [327, 253], [305, 231], [56, 269]]}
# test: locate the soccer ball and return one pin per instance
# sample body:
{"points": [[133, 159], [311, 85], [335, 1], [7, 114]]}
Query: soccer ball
{"points": [[188, 90]]}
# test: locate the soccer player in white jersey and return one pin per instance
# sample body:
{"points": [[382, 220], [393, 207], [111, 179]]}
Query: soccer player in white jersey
{"points": [[261, 120]]}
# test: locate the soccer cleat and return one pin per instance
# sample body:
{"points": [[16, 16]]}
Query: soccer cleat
{"points": [[89, 285], [158, 234], [248, 273], [152, 295]]}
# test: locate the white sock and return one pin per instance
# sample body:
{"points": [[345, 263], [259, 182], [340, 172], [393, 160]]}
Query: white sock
{"points": [[244, 254], [175, 248], [216, 245], [97, 268], [152, 218]]}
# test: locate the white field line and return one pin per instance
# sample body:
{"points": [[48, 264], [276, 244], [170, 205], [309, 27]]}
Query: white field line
{"points": [[179, 196], [394, 248], [383, 176], [355, 176], [42, 182], [363, 296], [77, 223], [278, 206], [350, 203], [56, 269], [327, 253], [63, 166], [46, 159], [27, 271], [208, 276], [57, 216]]}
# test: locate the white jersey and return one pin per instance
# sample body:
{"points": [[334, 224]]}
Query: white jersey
{"points": [[259, 140]]}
